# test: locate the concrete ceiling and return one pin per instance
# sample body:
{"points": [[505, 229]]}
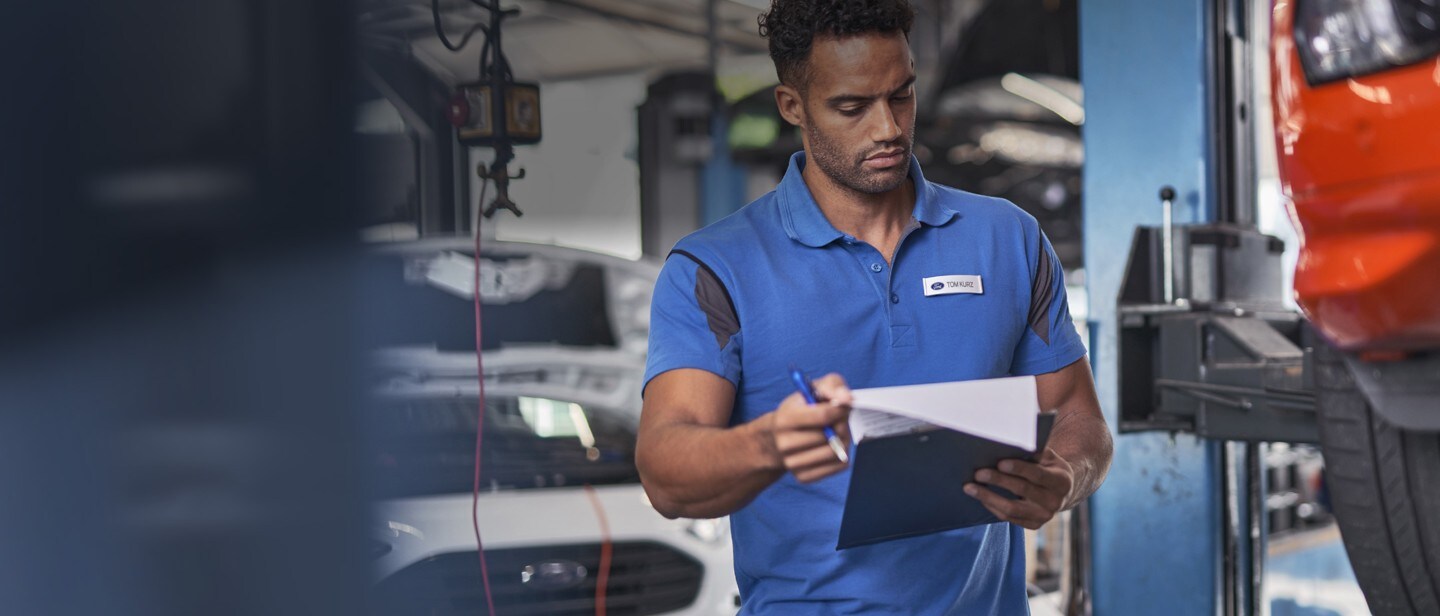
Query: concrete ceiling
{"points": [[565, 39]]}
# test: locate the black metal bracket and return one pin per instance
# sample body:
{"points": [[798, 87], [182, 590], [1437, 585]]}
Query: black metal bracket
{"points": [[1206, 344], [500, 174]]}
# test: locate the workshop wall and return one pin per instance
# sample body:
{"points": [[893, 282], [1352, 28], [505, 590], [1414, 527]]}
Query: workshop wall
{"points": [[583, 187]]}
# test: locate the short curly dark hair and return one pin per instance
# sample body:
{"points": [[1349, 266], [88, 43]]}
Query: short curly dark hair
{"points": [[792, 25]]}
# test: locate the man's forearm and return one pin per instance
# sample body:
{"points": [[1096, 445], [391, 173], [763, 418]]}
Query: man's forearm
{"points": [[698, 471], [1083, 441]]}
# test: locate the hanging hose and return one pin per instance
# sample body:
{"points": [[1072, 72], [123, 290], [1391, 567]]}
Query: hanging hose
{"points": [[440, 30], [479, 432], [602, 581]]}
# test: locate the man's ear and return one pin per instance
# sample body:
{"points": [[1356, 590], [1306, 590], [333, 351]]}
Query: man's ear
{"points": [[791, 106]]}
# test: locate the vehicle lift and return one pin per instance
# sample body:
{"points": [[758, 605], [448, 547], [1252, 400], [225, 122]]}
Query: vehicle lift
{"points": [[1198, 361]]}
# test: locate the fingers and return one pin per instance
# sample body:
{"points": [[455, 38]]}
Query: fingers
{"points": [[792, 442], [811, 457], [1051, 471], [799, 430], [800, 449], [1020, 487], [842, 430], [1042, 489], [833, 389], [807, 455], [1028, 471], [794, 414], [811, 475], [1022, 512]]}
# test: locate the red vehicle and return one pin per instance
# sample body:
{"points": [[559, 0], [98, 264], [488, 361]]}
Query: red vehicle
{"points": [[1356, 89]]}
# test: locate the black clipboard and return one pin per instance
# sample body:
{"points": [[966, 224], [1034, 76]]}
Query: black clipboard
{"points": [[912, 484]]}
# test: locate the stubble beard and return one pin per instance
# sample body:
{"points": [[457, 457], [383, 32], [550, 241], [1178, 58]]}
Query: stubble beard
{"points": [[849, 171]]}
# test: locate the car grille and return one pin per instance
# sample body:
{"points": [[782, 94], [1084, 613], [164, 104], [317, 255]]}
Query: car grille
{"points": [[645, 578]]}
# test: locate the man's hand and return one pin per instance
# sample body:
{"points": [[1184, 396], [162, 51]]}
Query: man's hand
{"points": [[1044, 488], [798, 430]]}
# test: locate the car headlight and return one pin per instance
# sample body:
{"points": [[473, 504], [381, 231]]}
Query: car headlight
{"points": [[1338, 39]]}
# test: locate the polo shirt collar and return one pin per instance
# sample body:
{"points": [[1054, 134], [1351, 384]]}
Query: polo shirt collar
{"points": [[805, 223]]}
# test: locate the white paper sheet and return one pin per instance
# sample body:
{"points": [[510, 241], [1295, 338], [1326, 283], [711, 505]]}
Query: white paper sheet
{"points": [[1002, 410], [865, 423]]}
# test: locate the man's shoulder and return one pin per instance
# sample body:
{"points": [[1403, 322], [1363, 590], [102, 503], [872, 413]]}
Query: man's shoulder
{"points": [[733, 237], [993, 211]]}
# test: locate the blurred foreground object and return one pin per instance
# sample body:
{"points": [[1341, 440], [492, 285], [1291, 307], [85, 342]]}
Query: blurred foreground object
{"points": [[177, 431]]}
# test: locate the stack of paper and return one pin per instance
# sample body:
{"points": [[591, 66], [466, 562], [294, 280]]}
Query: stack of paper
{"points": [[1002, 410], [917, 445]]}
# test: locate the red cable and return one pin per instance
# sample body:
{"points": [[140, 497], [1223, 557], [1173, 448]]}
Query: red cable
{"points": [[603, 580], [479, 432]]}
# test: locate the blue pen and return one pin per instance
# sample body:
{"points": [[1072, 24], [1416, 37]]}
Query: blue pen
{"points": [[803, 384]]}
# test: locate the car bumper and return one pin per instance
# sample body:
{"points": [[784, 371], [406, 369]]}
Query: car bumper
{"points": [[418, 529], [1368, 275]]}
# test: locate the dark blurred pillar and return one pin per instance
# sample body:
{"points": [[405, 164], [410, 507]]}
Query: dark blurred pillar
{"points": [[177, 423]]}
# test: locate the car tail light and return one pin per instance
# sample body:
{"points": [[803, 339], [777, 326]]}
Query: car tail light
{"points": [[1339, 39]]}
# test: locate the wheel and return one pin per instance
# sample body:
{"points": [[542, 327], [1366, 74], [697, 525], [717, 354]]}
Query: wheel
{"points": [[1385, 487]]}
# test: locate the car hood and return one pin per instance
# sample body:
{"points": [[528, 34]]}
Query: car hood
{"points": [[606, 378]]}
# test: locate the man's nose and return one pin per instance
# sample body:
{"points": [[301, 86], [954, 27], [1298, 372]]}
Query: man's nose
{"points": [[884, 127]]}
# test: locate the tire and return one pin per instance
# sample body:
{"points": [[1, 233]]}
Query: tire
{"points": [[1385, 488]]}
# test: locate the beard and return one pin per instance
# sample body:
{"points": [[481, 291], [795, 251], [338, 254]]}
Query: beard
{"points": [[848, 170]]}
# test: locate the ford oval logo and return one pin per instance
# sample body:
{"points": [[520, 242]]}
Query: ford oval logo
{"points": [[936, 286], [553, 575]]}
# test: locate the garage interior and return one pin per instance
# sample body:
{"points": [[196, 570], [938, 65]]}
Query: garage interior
{"points": [[306, 302]]}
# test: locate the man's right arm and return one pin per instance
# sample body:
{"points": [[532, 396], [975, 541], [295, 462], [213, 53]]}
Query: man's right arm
{"points": [[694, 464]]}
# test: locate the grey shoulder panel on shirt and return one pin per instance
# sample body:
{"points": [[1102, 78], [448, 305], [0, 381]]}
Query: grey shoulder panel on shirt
{"points": [[714, 300], [1042, 295]]}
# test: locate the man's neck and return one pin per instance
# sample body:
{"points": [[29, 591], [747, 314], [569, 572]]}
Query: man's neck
{"points": [[876, 219]]}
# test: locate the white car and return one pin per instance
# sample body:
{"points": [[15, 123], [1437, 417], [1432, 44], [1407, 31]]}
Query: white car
{"points": [[533, 295], [559, 415]]}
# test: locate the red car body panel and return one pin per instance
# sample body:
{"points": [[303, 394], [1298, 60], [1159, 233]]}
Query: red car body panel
{"points": [[1359, 164]]}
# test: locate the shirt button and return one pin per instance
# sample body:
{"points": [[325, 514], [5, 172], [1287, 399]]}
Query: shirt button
{"points": [[876, 267], [894, 299]]}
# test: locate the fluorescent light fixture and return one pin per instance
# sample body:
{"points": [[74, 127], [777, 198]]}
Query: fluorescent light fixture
{"points": [[1022, 144], [1044, 96]]}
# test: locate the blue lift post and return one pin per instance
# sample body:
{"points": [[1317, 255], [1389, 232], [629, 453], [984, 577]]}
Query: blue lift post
{"points": [[1158, 526], [722, 182]]}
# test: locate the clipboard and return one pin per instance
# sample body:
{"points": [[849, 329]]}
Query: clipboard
{"points": [[911, 484]]}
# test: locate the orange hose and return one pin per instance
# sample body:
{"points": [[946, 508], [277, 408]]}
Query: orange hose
{"points": [[606, 549]]}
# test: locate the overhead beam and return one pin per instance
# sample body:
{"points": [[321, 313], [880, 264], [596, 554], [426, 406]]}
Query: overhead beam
{"points": [[671, 22]]}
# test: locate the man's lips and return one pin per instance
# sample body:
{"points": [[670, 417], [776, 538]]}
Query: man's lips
{"points": [[889, 158]]}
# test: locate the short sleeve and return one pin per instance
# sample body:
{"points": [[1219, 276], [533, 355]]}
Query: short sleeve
{"points": [[693, 321], [1050, 341]]}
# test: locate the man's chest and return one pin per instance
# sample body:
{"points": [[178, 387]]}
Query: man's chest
{"points": [[939, 312]]}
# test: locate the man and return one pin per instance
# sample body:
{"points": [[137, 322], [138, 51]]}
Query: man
{"points": [[825, 273]]}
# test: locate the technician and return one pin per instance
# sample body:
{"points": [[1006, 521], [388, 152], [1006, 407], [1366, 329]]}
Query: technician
{"points": [[847, 268]]}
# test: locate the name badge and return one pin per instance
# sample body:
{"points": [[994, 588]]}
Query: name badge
{"points": [[947, 285]]}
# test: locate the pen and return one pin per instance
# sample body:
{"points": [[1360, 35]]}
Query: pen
{"points": [[803, 384]]}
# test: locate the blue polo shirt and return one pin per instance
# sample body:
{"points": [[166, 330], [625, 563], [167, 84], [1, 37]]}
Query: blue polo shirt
{"points": [[775, 285]]}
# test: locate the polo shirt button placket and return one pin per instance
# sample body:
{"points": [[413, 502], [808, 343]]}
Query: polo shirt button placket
{"points": [[877, 268]]}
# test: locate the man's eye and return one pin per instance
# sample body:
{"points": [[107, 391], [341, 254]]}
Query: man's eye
{"points": [[902, 97], [852, 112]]}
